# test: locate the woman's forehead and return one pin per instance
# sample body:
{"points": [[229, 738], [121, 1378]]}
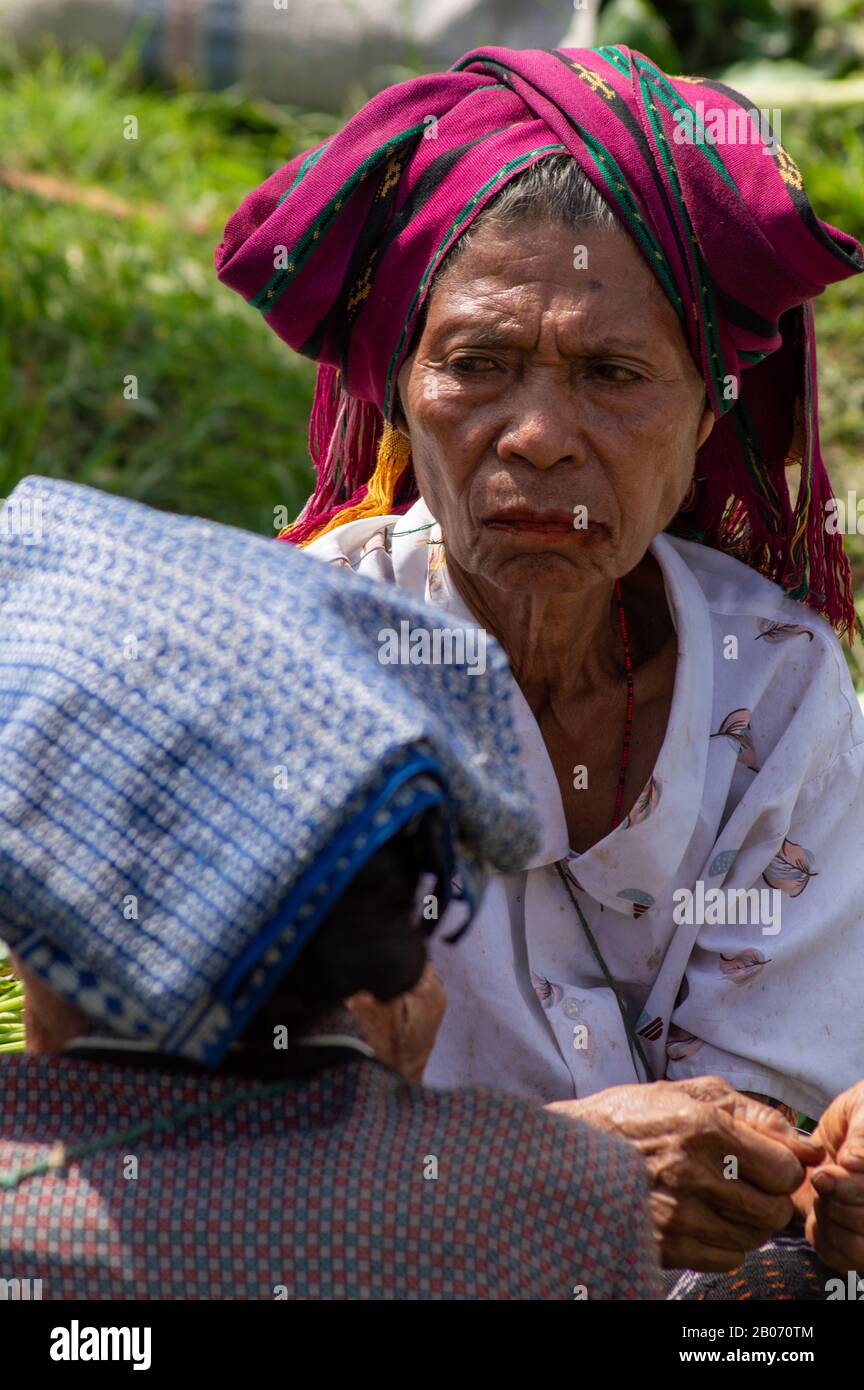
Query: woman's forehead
{"points": [[508, 278]]}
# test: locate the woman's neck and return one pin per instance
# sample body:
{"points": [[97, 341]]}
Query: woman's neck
{"points": [[565, 646]]}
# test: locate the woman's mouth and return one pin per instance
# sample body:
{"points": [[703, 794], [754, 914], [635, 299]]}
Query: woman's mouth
{"points": [[530, 523]]}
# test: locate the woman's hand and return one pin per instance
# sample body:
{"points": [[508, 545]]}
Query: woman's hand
{"points": [[831, 1199], [722, 1167]]}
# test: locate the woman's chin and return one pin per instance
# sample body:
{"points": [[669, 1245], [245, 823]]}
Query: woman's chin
{"points": [[548, 571]]}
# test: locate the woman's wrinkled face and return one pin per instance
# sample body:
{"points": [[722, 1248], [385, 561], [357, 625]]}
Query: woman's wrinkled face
{"points": [[554, 412]]}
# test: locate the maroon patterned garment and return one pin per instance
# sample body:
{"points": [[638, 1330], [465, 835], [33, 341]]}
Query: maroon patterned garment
{"points": [[344, 1183]]}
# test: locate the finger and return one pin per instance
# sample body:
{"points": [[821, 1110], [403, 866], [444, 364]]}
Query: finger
{"points": [[831, 1255], [770, 1122], [852, 1148], [844, 1215], [695, 1218], [836, 1248], [832, 1180], [746, 1205], [715, 1166], [723, 1187], [709, 1088], [765, 1162], [689, 1218]]}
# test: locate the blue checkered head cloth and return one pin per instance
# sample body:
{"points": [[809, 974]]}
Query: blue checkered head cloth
{"points": [[200, 746]]}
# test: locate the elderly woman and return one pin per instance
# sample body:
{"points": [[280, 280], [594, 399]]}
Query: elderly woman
{"points": [[572, 324], [205, 888]]}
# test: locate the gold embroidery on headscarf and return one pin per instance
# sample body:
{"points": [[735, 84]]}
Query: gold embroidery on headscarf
{"points": [[392, 172], [789, 171], [594, 81], [362, 286]]}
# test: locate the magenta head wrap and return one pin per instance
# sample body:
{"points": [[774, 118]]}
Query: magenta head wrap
{"points": [[338, 249]]}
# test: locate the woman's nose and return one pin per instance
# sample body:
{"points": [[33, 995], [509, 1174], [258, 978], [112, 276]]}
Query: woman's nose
{"points": [[542, 428]]}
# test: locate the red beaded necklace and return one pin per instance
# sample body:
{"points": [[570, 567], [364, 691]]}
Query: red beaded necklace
{"points": [[628, 721]]}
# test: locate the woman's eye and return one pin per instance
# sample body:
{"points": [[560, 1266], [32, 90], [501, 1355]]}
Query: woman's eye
{"points": [[613, 371], [471, 366]]}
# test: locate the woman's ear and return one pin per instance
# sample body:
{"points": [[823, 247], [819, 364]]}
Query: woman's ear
{"points": [[706, 425], [400, 420]]}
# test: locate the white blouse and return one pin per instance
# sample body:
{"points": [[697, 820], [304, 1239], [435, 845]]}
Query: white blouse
{"points": [[759, 784]]}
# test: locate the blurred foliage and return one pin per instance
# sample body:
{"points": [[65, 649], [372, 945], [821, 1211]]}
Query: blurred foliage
{"points": [[826, 37], [639, 25], [88, 299]]}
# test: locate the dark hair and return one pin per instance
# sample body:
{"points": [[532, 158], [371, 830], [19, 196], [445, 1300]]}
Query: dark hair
{"points": [[373, 938]]}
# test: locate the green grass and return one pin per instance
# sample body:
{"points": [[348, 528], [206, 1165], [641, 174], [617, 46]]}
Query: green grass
{"points": [[219, 427], [88, 299]]}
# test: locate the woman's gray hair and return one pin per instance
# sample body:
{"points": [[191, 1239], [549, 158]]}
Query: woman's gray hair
{"points": [[552, 190]]}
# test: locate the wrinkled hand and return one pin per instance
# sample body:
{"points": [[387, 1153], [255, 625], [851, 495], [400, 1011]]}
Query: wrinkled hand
{"points": [[687, 1131], [832, 1197], [402, 1032]]}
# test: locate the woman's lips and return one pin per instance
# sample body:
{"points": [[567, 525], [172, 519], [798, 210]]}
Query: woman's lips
{"points": [[537, 524]]}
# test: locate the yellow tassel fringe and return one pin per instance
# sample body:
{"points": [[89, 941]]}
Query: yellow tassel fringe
{"points": [[394, 456]]}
